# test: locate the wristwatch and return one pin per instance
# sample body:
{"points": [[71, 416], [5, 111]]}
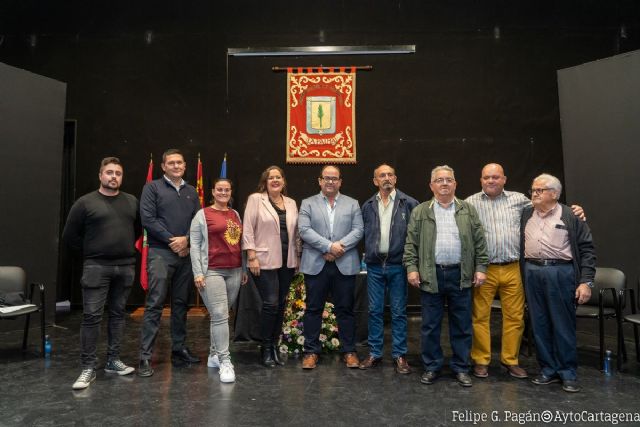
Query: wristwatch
{"points": [[589, 284]]}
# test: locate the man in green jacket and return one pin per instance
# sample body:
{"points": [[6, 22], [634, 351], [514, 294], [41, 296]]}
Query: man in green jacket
{"points": [[445, 255]]}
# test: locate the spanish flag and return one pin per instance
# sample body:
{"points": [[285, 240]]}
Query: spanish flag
{"points": [[141, 244], [199, 185]]}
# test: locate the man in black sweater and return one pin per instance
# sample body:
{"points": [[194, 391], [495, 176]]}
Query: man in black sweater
{"points": [[102, 225], [167, 206]]}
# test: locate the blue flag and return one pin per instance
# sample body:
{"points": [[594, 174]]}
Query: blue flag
{"points": [[223, 168]]}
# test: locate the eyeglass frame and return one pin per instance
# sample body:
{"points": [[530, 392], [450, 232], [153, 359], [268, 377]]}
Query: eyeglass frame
{"points": [[330, 178], [442, 180], [539, 191]]}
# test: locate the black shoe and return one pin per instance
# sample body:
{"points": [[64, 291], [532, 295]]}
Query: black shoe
{"points": [[267, 356], [428, 377], [571, 386], [275, 354], [544, 380], [144, 368], [184, 355], [464, 379]]}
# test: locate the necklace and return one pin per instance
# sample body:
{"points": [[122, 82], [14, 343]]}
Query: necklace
{"points": [[278, 203]]}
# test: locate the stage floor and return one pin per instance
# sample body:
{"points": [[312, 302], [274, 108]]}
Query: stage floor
{"points": [[37, 392]]}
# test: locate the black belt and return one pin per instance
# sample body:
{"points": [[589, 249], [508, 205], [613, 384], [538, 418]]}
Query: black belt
{"points": [[503, 263], [547, 262], [447, 266]]}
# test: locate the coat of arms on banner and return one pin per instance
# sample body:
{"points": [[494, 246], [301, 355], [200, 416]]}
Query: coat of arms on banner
{"points": [[321, 124]]}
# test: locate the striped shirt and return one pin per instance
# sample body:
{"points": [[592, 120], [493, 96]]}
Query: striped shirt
{"points": [[448, 247], [501, 220]]}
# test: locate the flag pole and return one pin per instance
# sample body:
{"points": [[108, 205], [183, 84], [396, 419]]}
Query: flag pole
{"points": [[198, 310]]}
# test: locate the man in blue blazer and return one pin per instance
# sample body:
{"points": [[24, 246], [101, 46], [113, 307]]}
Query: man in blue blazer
{"points": [[330, 226]]}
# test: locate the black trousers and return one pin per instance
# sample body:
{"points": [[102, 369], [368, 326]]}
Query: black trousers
{"points": [[318, 287], [273, 286]]}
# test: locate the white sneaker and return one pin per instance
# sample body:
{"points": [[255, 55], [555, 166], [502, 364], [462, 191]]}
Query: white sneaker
{"points": [[213, 361], [85, 379], [117, 367], [227, 375]]}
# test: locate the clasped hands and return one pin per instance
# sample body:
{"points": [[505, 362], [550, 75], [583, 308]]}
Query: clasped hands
{"points": [[179, 245], [336, 250]]}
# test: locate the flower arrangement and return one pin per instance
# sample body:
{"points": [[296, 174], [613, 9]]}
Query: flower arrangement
{"points": [[292, 340]]}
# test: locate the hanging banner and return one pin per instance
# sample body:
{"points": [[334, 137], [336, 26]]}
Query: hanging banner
{"points": [[321, 116]]}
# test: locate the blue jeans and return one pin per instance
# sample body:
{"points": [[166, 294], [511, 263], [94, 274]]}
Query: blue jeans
{"points": [[166, 271], [102, 284], [551, 297], [391, 279], [460, 329]]}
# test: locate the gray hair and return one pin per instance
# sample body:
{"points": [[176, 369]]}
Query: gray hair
{"points": [[442, 168], [551, 181]]}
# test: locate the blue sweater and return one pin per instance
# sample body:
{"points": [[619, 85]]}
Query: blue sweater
{"points": [[165, 212]]}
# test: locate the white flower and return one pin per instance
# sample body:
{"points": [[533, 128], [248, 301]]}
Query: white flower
{"points": [[335, 342], [284, 349], [286, 330], [323, 337], [300, 340]]}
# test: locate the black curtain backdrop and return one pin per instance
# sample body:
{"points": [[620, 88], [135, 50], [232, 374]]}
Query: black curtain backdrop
{"points": [[145, 76]]}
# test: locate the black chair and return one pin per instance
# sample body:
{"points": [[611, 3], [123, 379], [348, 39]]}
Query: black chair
{"points": [[604, 304], [13, 280], [633, 318], [496, 304]]}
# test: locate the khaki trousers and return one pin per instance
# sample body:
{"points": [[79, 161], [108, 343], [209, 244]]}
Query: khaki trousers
{"points": [[506, 281]]}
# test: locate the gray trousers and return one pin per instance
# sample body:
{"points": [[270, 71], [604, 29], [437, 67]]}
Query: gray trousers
{"points": [[219, 294], [166, 271]]}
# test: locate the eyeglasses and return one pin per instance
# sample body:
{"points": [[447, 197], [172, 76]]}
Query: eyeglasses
{"points": [[538, 191], [331, 178], [443, 180]]}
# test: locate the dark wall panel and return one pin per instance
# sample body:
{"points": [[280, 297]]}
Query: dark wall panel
{"points": [[600, 110], [32, 111]]}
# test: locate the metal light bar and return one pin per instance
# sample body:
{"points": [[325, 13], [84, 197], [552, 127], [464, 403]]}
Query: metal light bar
{"points": [[322, 50]]}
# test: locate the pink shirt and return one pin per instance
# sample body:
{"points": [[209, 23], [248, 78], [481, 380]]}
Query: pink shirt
{"points": [[546, 236]]}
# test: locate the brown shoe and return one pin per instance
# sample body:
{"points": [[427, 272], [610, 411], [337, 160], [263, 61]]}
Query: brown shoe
{"points": [[351, 359], [309, 361], [516, 371], [401, 365], [481, 371], [370, 362]]}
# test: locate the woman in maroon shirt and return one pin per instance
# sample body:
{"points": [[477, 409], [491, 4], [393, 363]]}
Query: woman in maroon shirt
{"points": [[216, 260]]}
